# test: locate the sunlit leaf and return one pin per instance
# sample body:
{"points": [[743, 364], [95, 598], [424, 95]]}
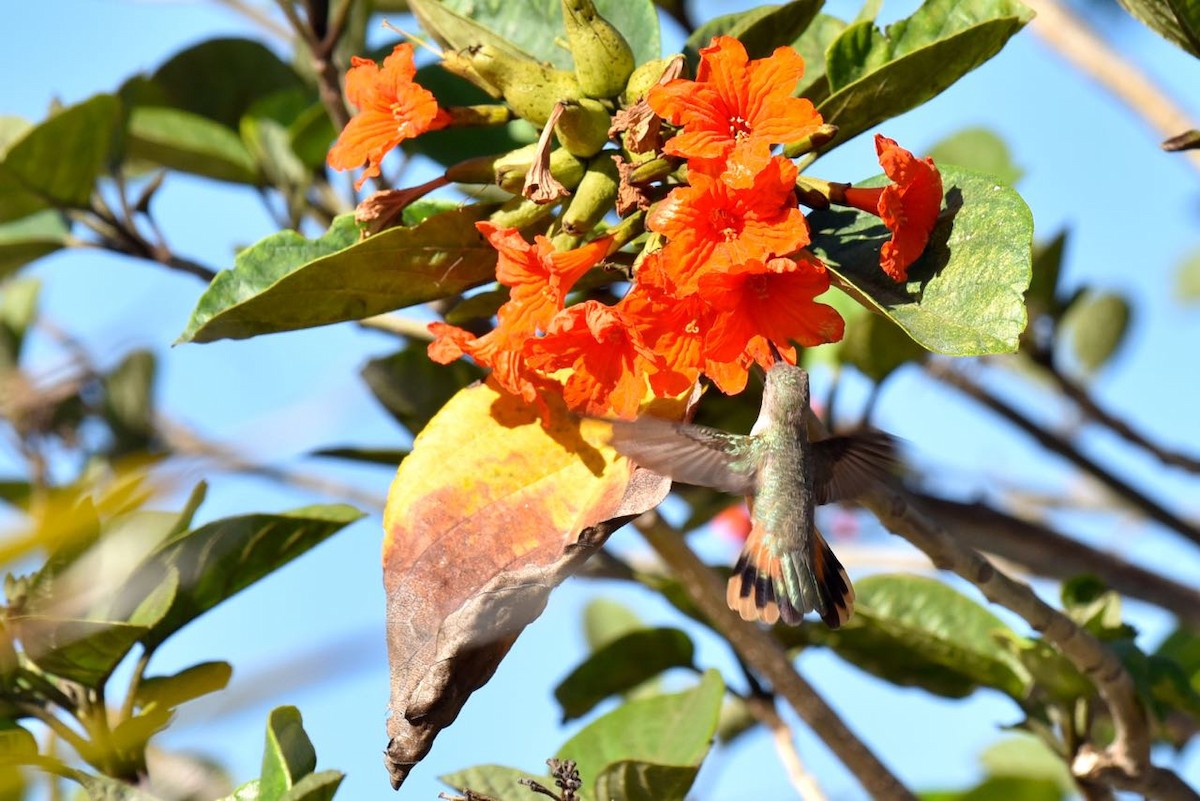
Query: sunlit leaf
{"points": [[288, 755], [917, 631], [1095, 324], [104, 788], [1177, 21], [671, 731], [533, 26], [620, 666], [18, 309], [29, 238], [220, 559], [812, 45], [760, 29], [605, 621], [84, 651], [383, 456], [412, 388], [319, 786], [980, 150], [221, 78], [286, 282], [129, 402], [60, 160], [875, 75], [187, 684], [488, 513], [494, 781], [188, 142], [965, 295]]}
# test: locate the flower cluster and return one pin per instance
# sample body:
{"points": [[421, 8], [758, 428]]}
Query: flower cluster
{"points": [[727, 280]]}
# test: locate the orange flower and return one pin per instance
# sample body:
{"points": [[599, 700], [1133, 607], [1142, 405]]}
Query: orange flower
{"points": [[603, 349], [909, 207], [711, 226], [773, 300], [391, 107], [672, 327], [540, 278], [736, 109]]}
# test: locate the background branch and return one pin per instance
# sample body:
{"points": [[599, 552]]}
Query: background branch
{"points": [[1060, 445], [762, 652]]}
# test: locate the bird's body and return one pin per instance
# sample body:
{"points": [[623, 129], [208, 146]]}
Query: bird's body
{"points": [[786, 567]]}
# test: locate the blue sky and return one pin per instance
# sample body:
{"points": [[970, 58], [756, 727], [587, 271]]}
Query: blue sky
{"points": [[1133, 213]]}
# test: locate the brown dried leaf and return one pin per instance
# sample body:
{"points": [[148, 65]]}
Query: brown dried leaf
{"points": [[487, 515]]}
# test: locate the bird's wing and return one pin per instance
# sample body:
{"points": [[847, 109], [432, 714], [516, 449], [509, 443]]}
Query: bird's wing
{"points": [[847, 466], [689, 454]]}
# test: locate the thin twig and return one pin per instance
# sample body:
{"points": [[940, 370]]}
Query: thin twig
{"points": [[135, 682], [805, 784], [1094, 412], [259, 18], [1046, 552], [400, 326], [1128, 757], [1075, 41], [765, 654], [64, 732], [1060, 445]]}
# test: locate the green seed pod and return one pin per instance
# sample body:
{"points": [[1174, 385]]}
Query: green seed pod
{"points": [[530, 89], [603, 59], [642, 79], [511, 168], [582, 127], [594, 197]]}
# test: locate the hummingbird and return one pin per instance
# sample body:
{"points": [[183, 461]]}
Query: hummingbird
{"points": [[786, 568]]}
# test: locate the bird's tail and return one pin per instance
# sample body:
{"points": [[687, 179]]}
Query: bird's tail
{"points": [[771, 587]]}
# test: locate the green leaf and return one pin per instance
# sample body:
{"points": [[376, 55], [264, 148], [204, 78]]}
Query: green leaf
{"points": [[1095, 324], [622, 665], [16, 742], [605, 621], [812, 46], [874, 76], [964, 295], [877, 347], [83, 651], [1002, 788], [412, 388], [760, 29], [219, 560], [181, 140], [980, 150], [319, 786], [642, 781], [312, 133], [917, 631], [1027, 757], [129, 402], [288, 755], [28, 239], [1187, 279], [286, 282], [186, 685], [60, 160], [222, 78], [103, 788], [1042, 297], [1183, 648], [1177, 21], [494, 781], [532, 27], [18, 310], [668, 730]]}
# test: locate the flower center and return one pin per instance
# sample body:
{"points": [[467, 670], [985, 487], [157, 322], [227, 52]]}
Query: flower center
{"points": [[727, 226], [739, 127]]}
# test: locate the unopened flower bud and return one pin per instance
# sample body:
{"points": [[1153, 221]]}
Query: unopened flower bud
{"points": [[583, 127], [594, 197], [511, 168], [603, 59], [530, 89]]}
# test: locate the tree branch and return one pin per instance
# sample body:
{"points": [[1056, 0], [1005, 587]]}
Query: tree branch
{"points": [[1096, 414], [765, 655], [1057, 444], [1046, 552], [1128, 757], [763, 709], [1076, 42]]}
